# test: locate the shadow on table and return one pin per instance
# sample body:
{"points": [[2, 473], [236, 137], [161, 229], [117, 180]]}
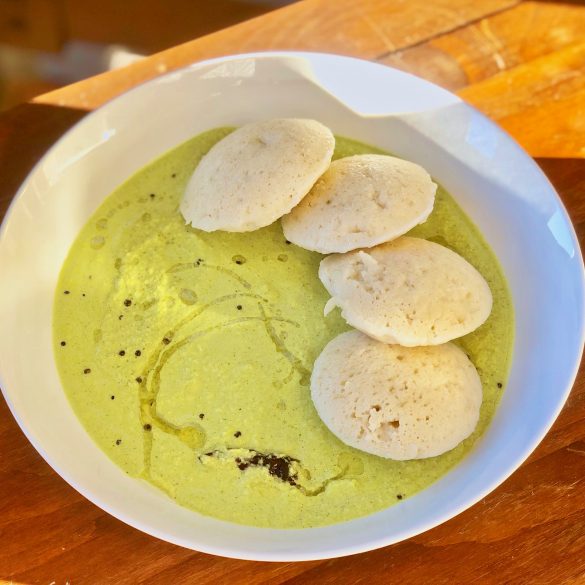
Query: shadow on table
{"points": [[26, 133]]}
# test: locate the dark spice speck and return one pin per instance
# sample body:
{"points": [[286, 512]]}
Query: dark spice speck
{"points": [[173, 175], [118, 441], [166, 340], [127, 302], [237, 434], [399, 496], [137, 353], [87, 371], [239, 307], [120, 317], [139, 380], [147, 427], [499, 384], [277, 466], [63, 343], [112, 397], [152, 195], [122, 353], [66, 292], [201, 416]]}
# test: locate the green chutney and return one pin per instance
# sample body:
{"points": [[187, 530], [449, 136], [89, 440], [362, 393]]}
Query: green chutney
{"points": [[187, 356]]}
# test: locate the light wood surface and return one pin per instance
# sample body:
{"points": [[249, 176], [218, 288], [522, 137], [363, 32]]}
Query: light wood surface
{"points": [[522, 63]]}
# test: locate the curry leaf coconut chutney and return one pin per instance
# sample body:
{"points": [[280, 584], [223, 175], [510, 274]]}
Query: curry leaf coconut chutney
{"points": [[187, 356]]}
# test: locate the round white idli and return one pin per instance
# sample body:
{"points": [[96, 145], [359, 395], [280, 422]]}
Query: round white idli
{"points": [[256, 174], [409, 291], [396, 402], [361, 201]]}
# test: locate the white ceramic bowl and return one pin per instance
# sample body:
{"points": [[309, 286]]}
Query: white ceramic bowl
{"points": [[496, 183]]}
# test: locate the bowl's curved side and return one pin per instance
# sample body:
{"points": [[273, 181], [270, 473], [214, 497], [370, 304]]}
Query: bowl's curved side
{"points": [[494, 180]]}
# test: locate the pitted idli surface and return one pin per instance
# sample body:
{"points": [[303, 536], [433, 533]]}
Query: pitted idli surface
{"points": [[257, 174], [396, 402], [361, 201], [409, 291]]}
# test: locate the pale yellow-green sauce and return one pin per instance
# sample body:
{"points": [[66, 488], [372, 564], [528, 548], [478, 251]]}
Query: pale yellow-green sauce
{"points": [[224, 347]]}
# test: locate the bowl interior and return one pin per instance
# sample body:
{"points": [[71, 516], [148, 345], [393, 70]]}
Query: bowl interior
{"points": [[497, 184]]}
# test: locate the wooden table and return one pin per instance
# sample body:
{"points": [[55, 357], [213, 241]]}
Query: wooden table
{"points": [[523, 64]]}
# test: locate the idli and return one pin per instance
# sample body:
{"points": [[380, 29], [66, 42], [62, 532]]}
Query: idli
{"points": [[396, 402], [361, 201], [409, 291], [256, 174]]}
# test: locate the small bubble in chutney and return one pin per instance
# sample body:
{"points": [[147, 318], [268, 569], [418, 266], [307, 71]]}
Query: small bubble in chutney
{"points": [[188, 296], [238, 259], [97, 242]]}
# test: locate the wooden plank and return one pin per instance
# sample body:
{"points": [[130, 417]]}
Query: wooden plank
{"points": [[522, 67], [541, 103], [493, 44], [362, 29]]}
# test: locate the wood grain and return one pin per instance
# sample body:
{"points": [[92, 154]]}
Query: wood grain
{"points": [[531, 530], [496, 43], [362, 29], [541, 103], [521, 67]]}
